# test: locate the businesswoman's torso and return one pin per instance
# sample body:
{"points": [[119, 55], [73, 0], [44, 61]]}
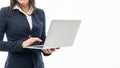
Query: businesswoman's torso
{"points": [[17, 29]]}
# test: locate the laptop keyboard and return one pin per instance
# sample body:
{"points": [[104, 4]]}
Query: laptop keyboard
{"points": [[38, 46]]}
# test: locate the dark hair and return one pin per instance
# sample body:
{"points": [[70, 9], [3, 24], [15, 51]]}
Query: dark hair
{"points": [[14, 2]]}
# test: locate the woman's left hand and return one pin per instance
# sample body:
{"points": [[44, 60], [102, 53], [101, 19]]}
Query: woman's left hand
{"points": [[49, 51]]}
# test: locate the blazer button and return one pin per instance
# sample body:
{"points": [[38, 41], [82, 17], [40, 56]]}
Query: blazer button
{"points": [[30, 36]]}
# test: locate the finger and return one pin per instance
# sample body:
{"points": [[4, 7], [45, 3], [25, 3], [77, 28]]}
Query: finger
{"points": [[53, 49], [49, 51], [57, 48], [36, 39], [46, 51]]}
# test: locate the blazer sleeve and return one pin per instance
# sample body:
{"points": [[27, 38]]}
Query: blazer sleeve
{"points": [[12, 46], [43, 36]]}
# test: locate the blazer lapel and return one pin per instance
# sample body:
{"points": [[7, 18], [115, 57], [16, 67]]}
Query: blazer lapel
{"points": [[37, 25]]}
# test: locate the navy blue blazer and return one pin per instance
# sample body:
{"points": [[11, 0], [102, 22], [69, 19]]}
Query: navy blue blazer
{"points": [[17, 30]]}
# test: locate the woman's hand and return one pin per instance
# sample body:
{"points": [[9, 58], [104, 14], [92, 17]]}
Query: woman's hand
{"points": [[30, 41], [49, 51]]}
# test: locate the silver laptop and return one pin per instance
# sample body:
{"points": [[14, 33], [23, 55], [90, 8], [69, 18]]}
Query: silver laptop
{"points": [[61, 33]]}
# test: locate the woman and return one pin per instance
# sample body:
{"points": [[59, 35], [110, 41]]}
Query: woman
{"points": [[24, 25]]}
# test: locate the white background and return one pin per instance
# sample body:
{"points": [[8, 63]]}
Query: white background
{"points": [[97, 44]]}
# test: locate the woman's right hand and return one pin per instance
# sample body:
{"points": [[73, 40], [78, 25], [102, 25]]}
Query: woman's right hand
{"points": [[30, 41]]}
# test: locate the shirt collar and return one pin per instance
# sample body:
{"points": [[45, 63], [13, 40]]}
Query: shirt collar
{"points": [[18, 7]]}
